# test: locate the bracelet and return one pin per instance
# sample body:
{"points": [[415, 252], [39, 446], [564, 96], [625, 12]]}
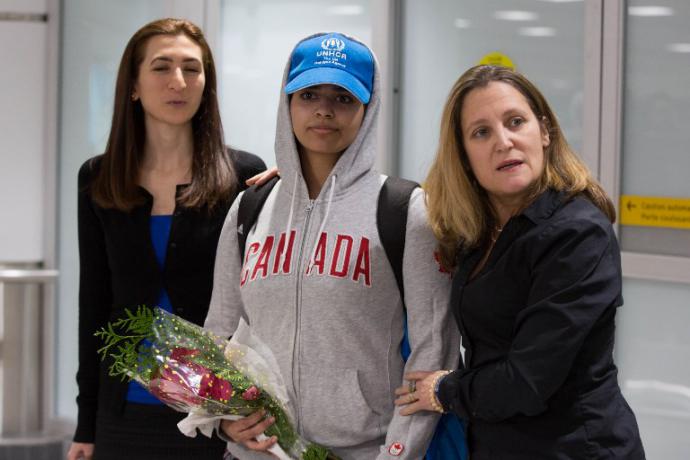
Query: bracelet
{"points": [[433, 391]]}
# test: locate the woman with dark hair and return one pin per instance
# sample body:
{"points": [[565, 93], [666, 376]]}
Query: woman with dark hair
{"points": [[537, 280], [150, 213]]}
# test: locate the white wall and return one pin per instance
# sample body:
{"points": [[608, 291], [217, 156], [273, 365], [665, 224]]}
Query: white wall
{"points": [[22, 124], [652, 353]]}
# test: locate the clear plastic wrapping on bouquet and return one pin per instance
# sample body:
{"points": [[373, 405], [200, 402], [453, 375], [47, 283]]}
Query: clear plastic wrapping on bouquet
{"points": [[194, 371]]}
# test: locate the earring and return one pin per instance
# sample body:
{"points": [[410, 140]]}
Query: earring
{"points": [[134, 97]]}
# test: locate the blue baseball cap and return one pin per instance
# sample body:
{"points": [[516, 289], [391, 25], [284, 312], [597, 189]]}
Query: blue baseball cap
{"points": [[332, 59]]}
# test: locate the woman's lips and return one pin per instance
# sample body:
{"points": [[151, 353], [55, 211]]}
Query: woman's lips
{"points": [[322, 129], [509, 165]]}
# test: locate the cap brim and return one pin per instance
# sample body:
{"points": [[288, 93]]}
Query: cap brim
{"points": [[328, 75]]}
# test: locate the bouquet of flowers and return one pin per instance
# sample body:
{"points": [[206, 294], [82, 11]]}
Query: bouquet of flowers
{"points": [[194, 371]]}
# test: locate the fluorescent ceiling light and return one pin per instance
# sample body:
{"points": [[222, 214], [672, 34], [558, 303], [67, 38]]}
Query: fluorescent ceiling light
{"points": [[346, 10], [678, 47], [537, 31], [461, 23], [650, 11], [516, 15]]}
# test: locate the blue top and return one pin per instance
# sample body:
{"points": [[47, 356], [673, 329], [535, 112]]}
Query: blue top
{"points": [[160, 233]]}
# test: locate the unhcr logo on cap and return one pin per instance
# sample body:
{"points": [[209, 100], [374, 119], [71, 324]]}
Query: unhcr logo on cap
{"points": [[332, 51], [333, 43]]}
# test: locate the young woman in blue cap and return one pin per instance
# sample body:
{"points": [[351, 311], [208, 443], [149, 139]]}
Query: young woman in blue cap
{"points": [[314, 282]]}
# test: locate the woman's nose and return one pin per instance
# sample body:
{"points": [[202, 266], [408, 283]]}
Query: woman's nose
{"points": [[504, 140], [325, 108], [177, 81]]}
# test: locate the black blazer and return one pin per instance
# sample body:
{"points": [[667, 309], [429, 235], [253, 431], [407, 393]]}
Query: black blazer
{"points": [[118, 270], [538, 327]]}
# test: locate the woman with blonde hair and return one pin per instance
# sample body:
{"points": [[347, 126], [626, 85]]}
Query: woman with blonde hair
{"points": [[537, 280]]}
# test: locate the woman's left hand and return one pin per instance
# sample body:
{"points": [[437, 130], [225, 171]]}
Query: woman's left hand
{"points": [[419, 399], [263, 177]]}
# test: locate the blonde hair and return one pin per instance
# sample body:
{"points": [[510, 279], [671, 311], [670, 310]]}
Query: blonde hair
{"points": [[460, 213]]}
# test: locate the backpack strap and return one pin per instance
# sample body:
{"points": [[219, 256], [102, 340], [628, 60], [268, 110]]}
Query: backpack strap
{"points": [[250, 206], [391, 221]]}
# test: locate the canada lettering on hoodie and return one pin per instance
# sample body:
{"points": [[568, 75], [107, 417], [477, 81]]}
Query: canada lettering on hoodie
{"points": [[314, 283], [347, 259]]}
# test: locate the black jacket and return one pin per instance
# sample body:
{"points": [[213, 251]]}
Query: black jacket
{"points": [[118, 270], [538, 326]]}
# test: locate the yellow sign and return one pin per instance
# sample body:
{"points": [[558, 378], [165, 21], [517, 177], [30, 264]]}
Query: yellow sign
{"points": [[497, 58], [649, 211]]}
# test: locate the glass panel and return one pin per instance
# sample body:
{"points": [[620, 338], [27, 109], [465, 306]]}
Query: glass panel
{"points": [[257, 38], [95, 33], [443, 38], [653, 352], [655, 160]]}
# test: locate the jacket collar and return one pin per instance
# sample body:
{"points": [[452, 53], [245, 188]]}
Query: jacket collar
{"points": [[544, 206]]}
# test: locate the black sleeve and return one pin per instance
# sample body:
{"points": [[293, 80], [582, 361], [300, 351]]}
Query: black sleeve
{"points": [[95, 300], [575, 279], [246, 165]]}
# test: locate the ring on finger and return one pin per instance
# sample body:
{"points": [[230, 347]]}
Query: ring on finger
{"points": [[411, 397], [412, 386]]}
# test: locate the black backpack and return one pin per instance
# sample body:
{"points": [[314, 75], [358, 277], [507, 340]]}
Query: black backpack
{"points": [[391, 218]]}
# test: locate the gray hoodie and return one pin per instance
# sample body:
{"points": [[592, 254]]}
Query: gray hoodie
{"points": [[317, 287]]}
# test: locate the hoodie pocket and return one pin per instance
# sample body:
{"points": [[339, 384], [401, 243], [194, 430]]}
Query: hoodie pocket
{"points": [[334, 411]]}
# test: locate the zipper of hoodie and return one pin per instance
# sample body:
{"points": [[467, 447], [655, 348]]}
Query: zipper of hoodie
{"points": [[298, 298]]}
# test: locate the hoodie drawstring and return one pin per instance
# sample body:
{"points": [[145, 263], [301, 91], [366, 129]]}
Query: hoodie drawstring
{"points": [[292, 206], [323, 224]]}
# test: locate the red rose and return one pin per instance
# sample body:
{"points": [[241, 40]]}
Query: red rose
{"points": [[251, 393], [181, 360], [213, 387], [183, 354], [170, 386]]}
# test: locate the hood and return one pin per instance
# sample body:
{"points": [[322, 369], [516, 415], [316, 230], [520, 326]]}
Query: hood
{"points": [[352, 165]]}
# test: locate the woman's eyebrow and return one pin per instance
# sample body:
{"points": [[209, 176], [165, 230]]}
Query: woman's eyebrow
{"points": [[169, 59]]}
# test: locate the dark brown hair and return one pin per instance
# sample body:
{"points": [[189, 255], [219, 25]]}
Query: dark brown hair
{"points": [[459, 211], [213, 176]]}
